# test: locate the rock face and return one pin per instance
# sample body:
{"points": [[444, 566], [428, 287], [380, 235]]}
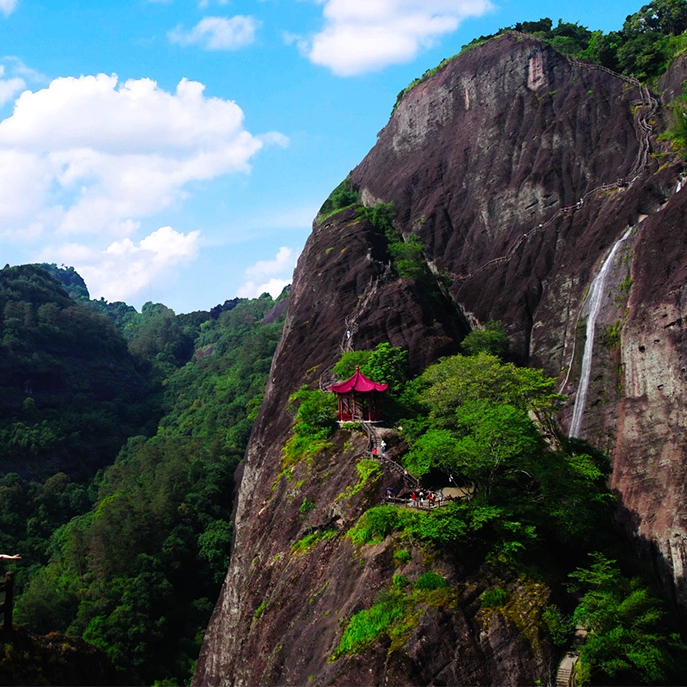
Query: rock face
{"points": [[519, 170]]}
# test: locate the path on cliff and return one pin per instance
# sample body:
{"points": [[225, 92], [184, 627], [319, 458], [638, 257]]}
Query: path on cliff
{"points": [[375, 439], [644, 109]]}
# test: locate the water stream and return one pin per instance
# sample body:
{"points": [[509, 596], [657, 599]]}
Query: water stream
{"points": [[594, 299]]}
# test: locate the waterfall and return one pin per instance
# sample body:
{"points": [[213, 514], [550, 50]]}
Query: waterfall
{"points": [[596, 293]]}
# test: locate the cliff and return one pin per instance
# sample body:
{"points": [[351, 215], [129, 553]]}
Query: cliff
{"points": [[520, 170]]}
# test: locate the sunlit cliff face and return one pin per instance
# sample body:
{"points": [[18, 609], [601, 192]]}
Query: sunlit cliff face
{"points": [[519, 170]]}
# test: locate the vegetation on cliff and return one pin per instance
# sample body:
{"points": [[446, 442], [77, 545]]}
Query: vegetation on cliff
{"points": [[480, 422], [643, 48]]}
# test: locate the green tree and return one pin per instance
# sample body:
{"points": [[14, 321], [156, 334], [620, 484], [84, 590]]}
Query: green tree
{"points": [[497, 442], [628, 641], [387, 364], [346, 365], [453, 381], [492, 339]]}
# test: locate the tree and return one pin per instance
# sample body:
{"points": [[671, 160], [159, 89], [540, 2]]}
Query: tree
{"points": [[491, 339], [456, 380], [628, 641], [346, 365], [498, 441], [387, 364]]}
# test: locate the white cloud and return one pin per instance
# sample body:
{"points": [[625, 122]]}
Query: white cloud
{"points": [[256, 275], [218, 33], [125, 268], [7, 6], [89, 155], [14, 75], [9, 88], [84, 162], [367, 35]]}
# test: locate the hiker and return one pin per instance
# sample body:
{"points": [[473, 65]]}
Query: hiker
{"points": [[390, 492], [375, 452], [431, 499], [413, 500], [383, 446]]}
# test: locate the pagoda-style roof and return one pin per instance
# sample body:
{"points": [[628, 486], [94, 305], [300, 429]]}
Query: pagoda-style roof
{"points": [[358, 382]]}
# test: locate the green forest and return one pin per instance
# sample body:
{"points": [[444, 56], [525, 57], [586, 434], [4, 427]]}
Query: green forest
{"points": [[121, 432]]}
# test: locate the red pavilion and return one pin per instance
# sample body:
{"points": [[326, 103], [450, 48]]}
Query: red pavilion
{"points": [[358, 398]]}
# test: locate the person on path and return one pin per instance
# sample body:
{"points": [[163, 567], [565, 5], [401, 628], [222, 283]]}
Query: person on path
{"points": [[383, 446], [413, 500]]}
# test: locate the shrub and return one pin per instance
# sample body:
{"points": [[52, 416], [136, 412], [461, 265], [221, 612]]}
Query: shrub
{"points": [[492, 340], [367, 469], [381, 216], [399, 582], [310, 541], [259, 611], [306, 507], [493, 597], [402, 556], [313, 424], [365, 626], [375, 524], [315, 411], [343, 196], [429, 581]]}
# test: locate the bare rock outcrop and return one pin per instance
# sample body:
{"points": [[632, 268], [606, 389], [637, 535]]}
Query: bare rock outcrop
{"points": [[519, 170]]}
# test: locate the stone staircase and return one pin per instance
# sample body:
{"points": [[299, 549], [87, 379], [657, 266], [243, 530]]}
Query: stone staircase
{"points": [[375, 442]]}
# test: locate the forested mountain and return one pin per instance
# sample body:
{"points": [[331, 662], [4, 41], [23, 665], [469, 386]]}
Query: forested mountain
{"points": [[72, 391], [122, 431]]}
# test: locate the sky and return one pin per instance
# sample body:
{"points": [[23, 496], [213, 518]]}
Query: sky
{"points": [[177, 151]]}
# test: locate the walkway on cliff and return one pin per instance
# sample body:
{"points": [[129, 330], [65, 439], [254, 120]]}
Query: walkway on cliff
{"points": [[375, 442], [644, 110]]}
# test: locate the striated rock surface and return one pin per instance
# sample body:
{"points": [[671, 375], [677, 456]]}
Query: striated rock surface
{"points": [[519, 170]]}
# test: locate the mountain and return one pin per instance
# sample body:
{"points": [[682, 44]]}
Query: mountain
{"points": [[71, 390], [502, 186]]}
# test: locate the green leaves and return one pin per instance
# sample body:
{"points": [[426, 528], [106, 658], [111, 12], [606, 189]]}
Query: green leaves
{"points": [[136, 574], [343, 196], [457, 380], [491, 339], [628, 641]]}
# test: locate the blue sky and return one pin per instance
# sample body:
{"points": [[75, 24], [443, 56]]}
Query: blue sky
{"points": [[178, 150]]}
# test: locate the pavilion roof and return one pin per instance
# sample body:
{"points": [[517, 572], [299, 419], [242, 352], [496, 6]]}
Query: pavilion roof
{"points": [[358, 382]]}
